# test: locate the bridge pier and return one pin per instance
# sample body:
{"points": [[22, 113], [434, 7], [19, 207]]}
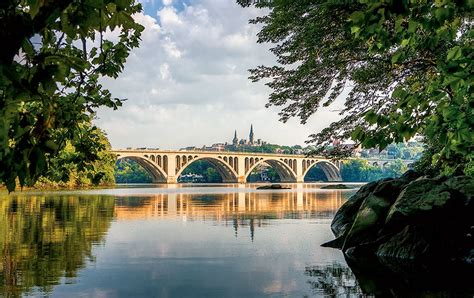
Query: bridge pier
{"points": [[242, 179], [171, 180]]}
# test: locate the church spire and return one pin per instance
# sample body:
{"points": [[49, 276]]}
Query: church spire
{"points": [[251, 140], [235, 141]]}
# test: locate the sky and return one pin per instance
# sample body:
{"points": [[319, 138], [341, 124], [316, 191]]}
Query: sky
{"points": [[187, 84]]}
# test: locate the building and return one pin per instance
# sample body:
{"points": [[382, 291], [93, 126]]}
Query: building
{"points": [[236, 142]]}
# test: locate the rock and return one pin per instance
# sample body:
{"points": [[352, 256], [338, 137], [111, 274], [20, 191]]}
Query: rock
{"points": [[426, 196], [372, 213], [410, 175], [272, 186], [411, 217], [336, 186], [345, 216], [431, 218], [410, 244]]}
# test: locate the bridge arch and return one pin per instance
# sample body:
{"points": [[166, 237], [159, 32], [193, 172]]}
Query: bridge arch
{"points": [[285, 172], [330, 169], [227, 173], [157, 174]]}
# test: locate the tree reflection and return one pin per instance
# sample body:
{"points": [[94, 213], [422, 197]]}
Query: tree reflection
{"points": [[333, 280], [43, 239], [371, 276]]}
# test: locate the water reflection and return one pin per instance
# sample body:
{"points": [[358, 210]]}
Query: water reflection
{"points": [[56, 244], [333, 280], [44, 239], [252, 210], [222, 207], [219, 242]]}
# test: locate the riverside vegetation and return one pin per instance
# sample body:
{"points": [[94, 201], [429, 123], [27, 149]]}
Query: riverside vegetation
{"points": [[407, 66]]}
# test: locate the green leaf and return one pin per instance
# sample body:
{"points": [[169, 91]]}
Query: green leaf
{"points": [[412, 25], [454, 53], [397, 57], [371, 117], [357, 17]]}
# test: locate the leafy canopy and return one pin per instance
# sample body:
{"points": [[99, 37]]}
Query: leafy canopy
{"points": [[52, 56], [404, 68]]}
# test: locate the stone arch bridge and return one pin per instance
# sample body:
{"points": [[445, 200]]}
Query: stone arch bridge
{"points": [[234, 167]]}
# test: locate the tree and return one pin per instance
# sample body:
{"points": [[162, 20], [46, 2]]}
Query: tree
{"points": [[52, 56], [359, 170], [129, 171], [406, 65], [63, 168], [395, 168]]}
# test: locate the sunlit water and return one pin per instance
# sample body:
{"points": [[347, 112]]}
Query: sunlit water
{"points": [[173, 241]]}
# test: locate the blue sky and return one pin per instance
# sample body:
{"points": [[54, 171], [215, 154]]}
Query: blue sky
{"points": [[187, 84]]}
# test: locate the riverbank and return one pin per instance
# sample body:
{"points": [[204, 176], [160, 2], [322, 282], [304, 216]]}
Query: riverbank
{"points": [[52, 186]]}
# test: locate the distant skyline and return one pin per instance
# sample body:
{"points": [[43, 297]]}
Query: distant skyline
{"points": [[188, 83]]}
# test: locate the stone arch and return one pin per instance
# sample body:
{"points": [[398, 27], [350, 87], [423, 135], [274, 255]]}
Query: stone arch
{"points": [[223, 168], [285, 172], [165, 163], [330, 170], [157, 173]]}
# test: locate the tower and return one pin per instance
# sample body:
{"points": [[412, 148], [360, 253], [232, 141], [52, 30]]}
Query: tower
{"points": [[235, 141], [251, 134]]}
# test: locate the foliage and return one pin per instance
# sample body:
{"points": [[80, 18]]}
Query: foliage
{"points": [[267, 148], [315, 174], [204, 168], [129, 171], [52, 57], [44, 239], [406, 65], [256, 174], [359, 170], [64, 171]]}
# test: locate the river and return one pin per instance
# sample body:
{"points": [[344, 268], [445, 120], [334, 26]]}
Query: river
{"points": [[173, 241]]}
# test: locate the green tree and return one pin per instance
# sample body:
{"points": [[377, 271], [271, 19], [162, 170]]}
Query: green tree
{"points": [[395, 168], [407, 66], [52, 56], [129, 171], [356, 170], [212, 176], [359, 170], [64, 171], [204, 168]]}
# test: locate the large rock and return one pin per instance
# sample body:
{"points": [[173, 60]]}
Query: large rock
{"points": [[409, 218], [372, 213], [431, 218], [344, 218]]}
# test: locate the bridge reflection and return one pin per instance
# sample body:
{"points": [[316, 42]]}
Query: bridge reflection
{"points": [[222, 207], [236, 209]]}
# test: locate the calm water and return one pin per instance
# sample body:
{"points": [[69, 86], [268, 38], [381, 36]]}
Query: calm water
{"points": [[181, 241]]}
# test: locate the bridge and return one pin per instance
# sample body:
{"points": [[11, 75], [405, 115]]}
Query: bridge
{"points": [[234, 167]]}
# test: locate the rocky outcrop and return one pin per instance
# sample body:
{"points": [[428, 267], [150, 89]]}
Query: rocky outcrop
{"points": [[336, 186], [410, 217], [272, 186]]}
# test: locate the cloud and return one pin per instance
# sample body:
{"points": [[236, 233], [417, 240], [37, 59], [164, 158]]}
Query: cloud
{"points": [[187, 83]]}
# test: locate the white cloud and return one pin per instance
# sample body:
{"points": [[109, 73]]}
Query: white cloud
{"points": [[187, 83]]}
